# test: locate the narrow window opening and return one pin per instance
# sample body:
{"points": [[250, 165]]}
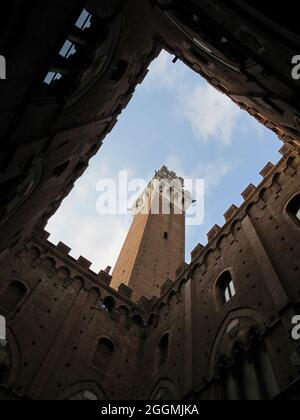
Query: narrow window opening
{"points": [[12, 296], [163, 350], [104, 353], [108, 305], [294, 209], [226, 288]]}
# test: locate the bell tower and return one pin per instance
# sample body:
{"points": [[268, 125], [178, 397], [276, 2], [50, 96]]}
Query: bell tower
{"points": [[155, 245]]}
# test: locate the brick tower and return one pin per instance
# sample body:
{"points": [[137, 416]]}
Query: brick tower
{"points": [[155, 246]]}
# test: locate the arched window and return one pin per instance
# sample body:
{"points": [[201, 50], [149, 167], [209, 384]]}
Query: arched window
{"points": [[226, 287], [5, 362], [104, 353], [163, 394], [164, 350], [293, 209], [12, 296], [84, 396], [245, 367], [108, 304], [138, 320]]}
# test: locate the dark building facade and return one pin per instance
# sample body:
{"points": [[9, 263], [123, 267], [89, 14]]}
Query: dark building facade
{"points": [[49, 131], [220, 330]]}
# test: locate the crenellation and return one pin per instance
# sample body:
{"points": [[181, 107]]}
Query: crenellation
{"points": [[196, 251], [105, 278], [188, 309], [181, 269], [201, 252], [125, 290], [83, 262], [267, 169], [230, 213], [166, 286], [214, 334], [144, 302], [63, 248], [44, 235], [213, 232], [285, 150], [248, 192]]}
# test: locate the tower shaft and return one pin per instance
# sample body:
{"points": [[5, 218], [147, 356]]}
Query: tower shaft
{"points": [[155, 245]]}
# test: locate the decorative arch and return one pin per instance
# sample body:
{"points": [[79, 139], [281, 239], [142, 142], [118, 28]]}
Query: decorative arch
{"points": [[63, 273], [206, 255], [292, 210], [77, 283], [243, 364], [220, 240], [94, 295], [124, 310], [13, 295], [182, 283], [108, 304], [172, 294], [166, 390], [14, 357], [152, 321], [104, 352], [31, 255], [50, 265], [138, 320], [249, 313], [236, 226], [82, 391]]}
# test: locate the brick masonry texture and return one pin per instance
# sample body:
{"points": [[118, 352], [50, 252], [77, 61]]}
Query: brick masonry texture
{"points": [[54, 330]]}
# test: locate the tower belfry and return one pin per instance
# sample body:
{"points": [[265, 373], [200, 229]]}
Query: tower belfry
{"points": [[155, 245]]}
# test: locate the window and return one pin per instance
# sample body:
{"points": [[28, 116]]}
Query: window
{"points": [[84, 396], [104, 353], [252, 379], [163, 394], [5, 362], [12, 296], [163, 350], [166, 235], [69, 48], [108, 304], [294, 209], [226, 287]]}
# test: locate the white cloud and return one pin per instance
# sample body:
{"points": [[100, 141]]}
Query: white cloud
{"points": [[212, 115], [77, 224], [163, 74], [213, 173], [99, 239]]}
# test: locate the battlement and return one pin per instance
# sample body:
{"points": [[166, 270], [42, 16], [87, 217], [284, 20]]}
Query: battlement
{"points": [[81, 264], [163, 182], [165, 174], [268, 173], [250, 194]]}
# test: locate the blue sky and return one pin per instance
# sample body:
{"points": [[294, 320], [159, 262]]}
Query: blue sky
{"points": [[176, 119]]}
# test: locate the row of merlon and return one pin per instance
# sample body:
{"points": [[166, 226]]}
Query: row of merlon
{"points": [[246, 194]]}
